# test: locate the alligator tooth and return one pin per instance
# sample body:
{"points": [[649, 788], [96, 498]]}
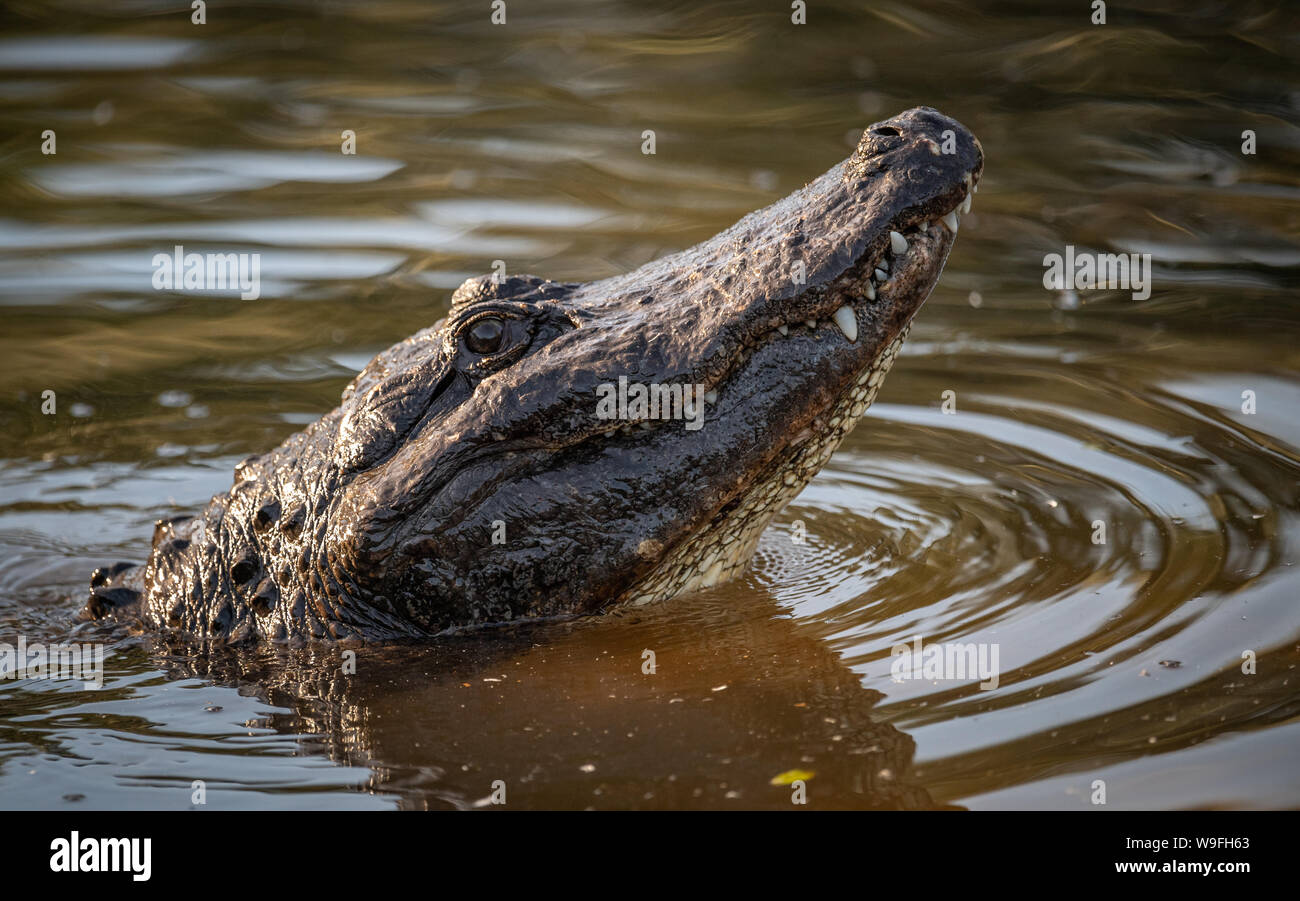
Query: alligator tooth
{"points": [[646, 424], [884, 264], [710, 397], [847, 322], [871, 291], [897, 243], [974, 189], [950, 220], [965, 205], [882, 275], [625, 429], [811, 323], [783, 329]]}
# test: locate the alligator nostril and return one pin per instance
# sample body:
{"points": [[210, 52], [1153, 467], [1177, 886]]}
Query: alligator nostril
{"points": [[887, 130]]}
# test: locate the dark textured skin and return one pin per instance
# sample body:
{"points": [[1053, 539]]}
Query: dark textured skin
{"points": [[377, 520]]}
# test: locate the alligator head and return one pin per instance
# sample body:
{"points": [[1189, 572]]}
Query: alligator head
{"points": [[472, 473]]}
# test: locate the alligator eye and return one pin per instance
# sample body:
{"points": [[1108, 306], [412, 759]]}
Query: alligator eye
{"points": [[485, 335]]}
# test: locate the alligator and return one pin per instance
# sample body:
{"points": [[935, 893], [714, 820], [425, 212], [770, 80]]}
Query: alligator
{"points": [[469, 475]]}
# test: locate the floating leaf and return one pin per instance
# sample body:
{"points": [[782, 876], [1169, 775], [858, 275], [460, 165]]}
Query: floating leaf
{"points": [[791, 776]]}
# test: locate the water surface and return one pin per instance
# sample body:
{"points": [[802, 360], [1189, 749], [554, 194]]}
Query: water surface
{"points": [[1171, 420]]}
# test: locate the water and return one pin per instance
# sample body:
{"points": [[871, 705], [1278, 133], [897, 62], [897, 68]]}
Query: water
{"points": [[1119, 662]]}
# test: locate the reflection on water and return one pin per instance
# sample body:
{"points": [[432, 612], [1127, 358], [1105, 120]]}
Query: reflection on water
{"points": [[732, 701], [1169, 421]]}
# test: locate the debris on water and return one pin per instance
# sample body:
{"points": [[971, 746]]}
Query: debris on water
{"points": [[789, 777], [1171, 664], [1067, 300], [213, 708]]}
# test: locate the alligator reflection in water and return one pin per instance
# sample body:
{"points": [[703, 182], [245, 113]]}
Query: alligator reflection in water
{"points": [[564, 715]]}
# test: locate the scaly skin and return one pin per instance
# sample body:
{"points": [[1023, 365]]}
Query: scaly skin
{"points": [[378, 520]]}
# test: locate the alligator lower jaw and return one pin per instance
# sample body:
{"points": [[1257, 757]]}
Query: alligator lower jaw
{"points": [[722, 549]]}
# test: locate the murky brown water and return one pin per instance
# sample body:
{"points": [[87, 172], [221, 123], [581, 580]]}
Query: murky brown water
{"points": [[522, 143]]}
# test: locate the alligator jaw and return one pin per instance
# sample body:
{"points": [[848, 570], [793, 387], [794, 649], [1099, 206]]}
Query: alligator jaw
{"points": [[898, 279]]}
